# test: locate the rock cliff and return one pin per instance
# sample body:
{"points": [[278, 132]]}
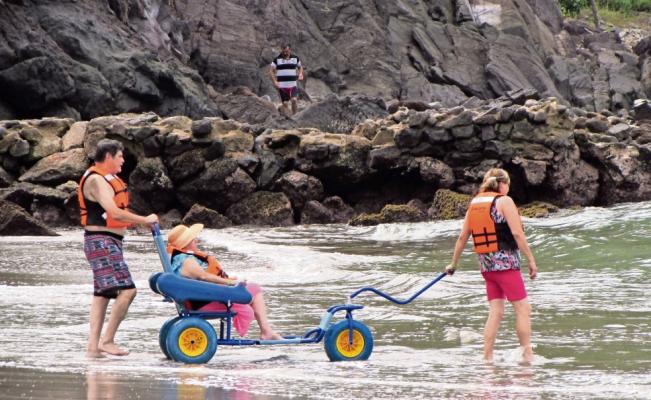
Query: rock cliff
{"points": [[84, 59]]}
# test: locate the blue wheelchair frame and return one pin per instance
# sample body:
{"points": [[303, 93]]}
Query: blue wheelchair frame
{"points": [[315, 335]]}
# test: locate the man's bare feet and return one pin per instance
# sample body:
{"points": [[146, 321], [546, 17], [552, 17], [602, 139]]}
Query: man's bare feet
{"points": [[95, 354], [270, 336], [113, 349]]}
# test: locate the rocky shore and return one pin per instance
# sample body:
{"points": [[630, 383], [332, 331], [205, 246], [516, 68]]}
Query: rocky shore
{"points": [[412, 162]]}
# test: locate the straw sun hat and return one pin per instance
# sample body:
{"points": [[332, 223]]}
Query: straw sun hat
{"points": [[180, 236]]}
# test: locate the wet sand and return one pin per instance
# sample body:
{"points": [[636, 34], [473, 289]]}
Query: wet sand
{"points": [[21, 383]]}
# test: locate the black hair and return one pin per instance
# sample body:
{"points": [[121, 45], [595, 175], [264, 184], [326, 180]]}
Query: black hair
{"points": [[285, 45], [107, 146]]}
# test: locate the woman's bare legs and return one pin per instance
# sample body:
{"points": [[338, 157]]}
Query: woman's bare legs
{"points": [[260, 312], [523, 327], [495, 314]]}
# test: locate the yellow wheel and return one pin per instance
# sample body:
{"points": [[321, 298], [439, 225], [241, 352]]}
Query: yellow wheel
{"points": [[350, 350], [338, 347], [193, 342]]}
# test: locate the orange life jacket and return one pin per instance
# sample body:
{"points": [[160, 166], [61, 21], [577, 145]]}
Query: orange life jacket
{"points": [[213, 265], [487, 235], [92, 212]]}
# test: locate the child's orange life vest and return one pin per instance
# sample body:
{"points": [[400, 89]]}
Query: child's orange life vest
{"points": [[487, 235], [92, 212]]}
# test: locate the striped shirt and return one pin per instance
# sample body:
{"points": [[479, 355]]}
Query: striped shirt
{"points": [[286, 70]]}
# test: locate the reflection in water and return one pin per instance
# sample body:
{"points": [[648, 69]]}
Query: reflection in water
{"points": [[500, 382], [101, 386], [192, 383]]}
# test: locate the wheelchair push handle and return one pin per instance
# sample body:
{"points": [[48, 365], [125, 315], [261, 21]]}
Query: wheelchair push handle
{"points": [[393, 299]]}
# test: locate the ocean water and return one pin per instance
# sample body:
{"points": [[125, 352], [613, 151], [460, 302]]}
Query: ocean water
{"points": [[591, 313]]}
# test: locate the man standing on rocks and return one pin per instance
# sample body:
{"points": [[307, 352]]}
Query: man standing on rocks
{"points": [[103, 201], [286, 69]]}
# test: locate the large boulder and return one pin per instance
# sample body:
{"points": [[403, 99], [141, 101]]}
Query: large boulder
{"points": [[391, 213], [341, 211], [449, 205], [331, 210], [335, 159], [537, 209], [572, 181], [185, 165], [5, 178], [150, 189], [300, 188], [244, 105], [314, 212], [340, 114], [15, 221], [435, 172], [199, 214], [262, 208], [74, 138], [42, 143], [58, 168], [219, 186]]}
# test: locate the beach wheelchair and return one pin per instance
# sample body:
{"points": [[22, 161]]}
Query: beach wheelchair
{"points": [[190, 338]]}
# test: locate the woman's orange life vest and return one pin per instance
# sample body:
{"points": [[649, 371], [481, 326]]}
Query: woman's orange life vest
{"points": [[213, 265], [92, 212], [487, 235]]}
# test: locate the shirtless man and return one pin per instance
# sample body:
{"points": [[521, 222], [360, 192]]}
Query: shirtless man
{"points": [[103, 201]]}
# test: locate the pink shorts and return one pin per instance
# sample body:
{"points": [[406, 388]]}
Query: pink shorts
{"points": [[244, 317], [505, 284]]}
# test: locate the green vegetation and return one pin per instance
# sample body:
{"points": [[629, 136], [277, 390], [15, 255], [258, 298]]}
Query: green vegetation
{"points": [[620, 19], [626, 6], [572, 8], [626, 12]]}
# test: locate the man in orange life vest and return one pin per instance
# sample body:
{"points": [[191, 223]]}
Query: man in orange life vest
{"points": [[103, 201]]}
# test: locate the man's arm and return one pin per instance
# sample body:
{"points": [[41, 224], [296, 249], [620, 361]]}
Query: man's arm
{"points": [[272, 74], [103, 193], [300, 72]]}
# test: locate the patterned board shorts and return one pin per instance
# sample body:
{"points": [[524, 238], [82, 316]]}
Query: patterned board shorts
{"points": [[110, 272]]}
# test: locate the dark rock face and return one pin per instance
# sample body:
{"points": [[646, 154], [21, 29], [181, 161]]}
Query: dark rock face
{"points": [[78, 58], [83, 59], [16, 221]]}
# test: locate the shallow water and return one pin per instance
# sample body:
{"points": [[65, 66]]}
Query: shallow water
{"points": [[591, 312]]}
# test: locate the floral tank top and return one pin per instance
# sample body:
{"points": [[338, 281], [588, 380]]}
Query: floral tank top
{"points": [[501, 260]]}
